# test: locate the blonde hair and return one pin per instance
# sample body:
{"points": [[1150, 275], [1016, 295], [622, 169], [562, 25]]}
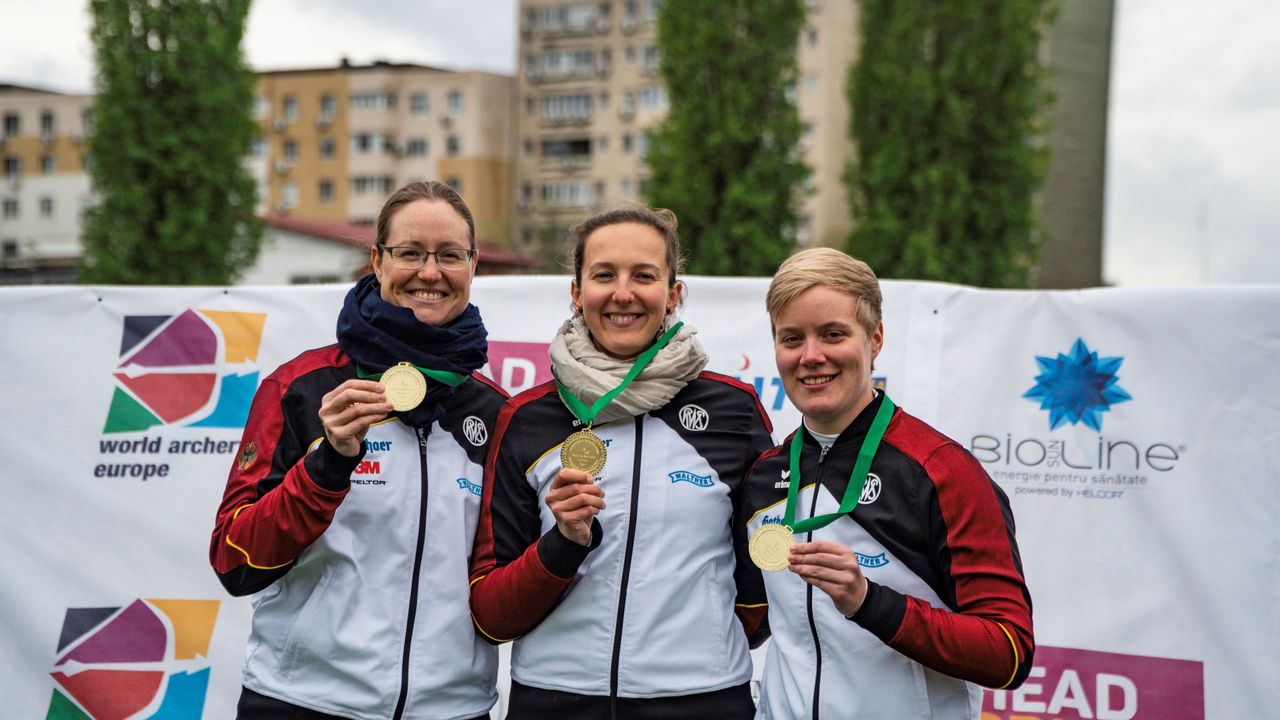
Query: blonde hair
{"points": [[834, 269]]}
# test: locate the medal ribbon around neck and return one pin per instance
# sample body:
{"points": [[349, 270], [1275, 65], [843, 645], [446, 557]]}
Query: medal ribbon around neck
{"points": [[857, 479], [452, 379], [588, 414]]}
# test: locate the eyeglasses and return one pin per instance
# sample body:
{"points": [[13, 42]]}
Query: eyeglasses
{"points": [[412, 258]]}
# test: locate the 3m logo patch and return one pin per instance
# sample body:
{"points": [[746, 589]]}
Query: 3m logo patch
{"points": [[194, 369], [145, 660]]}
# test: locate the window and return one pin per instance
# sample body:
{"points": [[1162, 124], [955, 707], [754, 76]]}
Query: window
{"points": [[631, 54], [526, 194], [289, 195], [811, 82], [811, 36], [362, 143], [416, 147], [565, 63], [261, 106], [626, 143], [455, 102], [602, 143], [556, 108], [46, 164], [418, 104], [10, 249], [651, 57], [12, 167], [46, 124], [528, 147], [566, 193], [328, 106], [257, 147], [454, 182], [575, 147], [46, 206], [653, 98], [642, 145], [373, 101], [650, 9], [290, 150], [290, 108], [12, 125], [10, 208], [365, 185], [453, 146], [326, 192], [326, 148], [318, 279], [88, 121]]}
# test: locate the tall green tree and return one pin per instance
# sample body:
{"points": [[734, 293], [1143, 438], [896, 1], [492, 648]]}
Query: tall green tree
{"points": [[726, 158], [172, 127], [947, 102]]}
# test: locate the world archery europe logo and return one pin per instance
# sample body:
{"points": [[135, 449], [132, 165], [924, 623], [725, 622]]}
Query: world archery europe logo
{"points": [[1077, 387], [146, 660], [188, 369]]}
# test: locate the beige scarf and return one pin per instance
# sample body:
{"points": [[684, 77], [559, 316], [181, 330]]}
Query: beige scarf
{"points": [[588, 373]]}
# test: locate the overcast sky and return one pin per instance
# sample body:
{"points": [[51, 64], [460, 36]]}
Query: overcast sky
{"points": [[1193, 190]]}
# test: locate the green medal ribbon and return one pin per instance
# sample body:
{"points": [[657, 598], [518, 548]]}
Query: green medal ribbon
{"points": [[857, 479], [452, 379], [588, 414]]}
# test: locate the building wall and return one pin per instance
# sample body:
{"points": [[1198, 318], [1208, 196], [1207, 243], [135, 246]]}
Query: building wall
{"points": [[1078, 47], [44, 189], [288, 258], [293, 185]]}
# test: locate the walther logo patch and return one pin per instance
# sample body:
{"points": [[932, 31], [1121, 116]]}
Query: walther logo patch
{"points": [[693, 478]]}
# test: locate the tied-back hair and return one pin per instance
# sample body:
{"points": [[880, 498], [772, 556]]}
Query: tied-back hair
{"points": [[662, 220], [423, 190]]}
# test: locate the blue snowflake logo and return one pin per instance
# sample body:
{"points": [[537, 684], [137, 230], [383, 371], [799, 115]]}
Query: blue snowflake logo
{"points": [[1077, 387]]}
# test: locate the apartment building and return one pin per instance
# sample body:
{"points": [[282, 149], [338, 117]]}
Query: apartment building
{"points": [[44, 189], [336, 141], [589, 89]]}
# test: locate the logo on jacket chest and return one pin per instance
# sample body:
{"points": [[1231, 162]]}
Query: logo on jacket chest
{"points": [[368, 472], [466, 485], [703, 481], [475, 431], [694, 418], [871, 490]]}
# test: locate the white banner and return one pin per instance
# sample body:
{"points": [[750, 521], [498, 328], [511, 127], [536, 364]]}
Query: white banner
{"points": [[1135, 433]]}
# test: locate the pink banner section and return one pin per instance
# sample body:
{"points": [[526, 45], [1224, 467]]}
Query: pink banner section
{"points": [[518, 366], [1067, 684]]}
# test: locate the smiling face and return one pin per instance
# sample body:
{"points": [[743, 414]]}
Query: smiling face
{"points": [[824, 357], [624, 293], [435, 296]]}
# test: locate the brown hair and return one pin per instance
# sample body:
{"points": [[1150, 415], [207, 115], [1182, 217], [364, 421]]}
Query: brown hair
{"points": [[664, 221], [836, 270], [422, 190]]}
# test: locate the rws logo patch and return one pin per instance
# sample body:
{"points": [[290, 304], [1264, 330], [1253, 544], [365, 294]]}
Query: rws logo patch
{"points": [[194, 369], [1077, 387], [148, 659]]}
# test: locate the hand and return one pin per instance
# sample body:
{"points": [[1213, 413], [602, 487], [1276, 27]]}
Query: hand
{"points": [[574, 499], [349, 410], [833, 569]]}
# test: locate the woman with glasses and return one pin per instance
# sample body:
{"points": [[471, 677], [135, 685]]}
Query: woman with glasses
{"points": [[604, 548], [351, 507]]}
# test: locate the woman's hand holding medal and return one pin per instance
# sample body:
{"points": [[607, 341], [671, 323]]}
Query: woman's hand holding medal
{"points": [[833, 569], [349, 410], [574, 499]]}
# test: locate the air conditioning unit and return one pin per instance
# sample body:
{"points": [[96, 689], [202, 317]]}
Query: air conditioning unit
{"points": [[283, 209], [603, 71], [282, 167], [446, 120], [628, 25], [626, 112], [602, 25], [535, 75], [324, 121], [278, 124]]}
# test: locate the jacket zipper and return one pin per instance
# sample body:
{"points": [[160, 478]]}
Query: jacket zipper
{"points": [[413, 588], [813, 626], [626, 570]]}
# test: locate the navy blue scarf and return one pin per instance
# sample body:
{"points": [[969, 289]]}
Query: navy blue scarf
{"points": [[378, 335]]}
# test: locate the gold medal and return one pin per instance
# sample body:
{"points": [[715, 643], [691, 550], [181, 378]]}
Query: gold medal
{"points": [[583, 451], [770, 546], [405, 386]]}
